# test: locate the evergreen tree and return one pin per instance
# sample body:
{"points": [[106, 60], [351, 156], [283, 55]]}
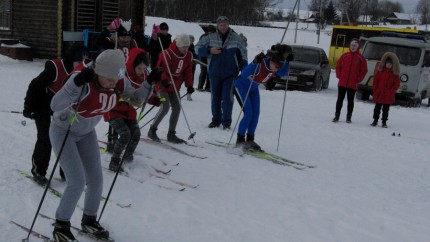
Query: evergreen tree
{"points": [[329, 13]]}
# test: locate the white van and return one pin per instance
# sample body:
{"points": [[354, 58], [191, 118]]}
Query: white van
{"points": [[414, 56]]}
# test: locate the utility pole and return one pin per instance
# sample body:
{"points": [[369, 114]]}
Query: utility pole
{"points": [[297, 20], [319, 24]]}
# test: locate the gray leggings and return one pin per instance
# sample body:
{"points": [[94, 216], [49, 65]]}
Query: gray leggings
{"points": [[80, 161], [171, 100]]}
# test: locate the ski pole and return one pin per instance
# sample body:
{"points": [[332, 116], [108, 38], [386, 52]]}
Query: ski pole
{"points": [[140, 117], [153, 117], [283, 107], [192, 134], [7, 111], [72, 120], [289, 20], [200, 62], [243, 106]]}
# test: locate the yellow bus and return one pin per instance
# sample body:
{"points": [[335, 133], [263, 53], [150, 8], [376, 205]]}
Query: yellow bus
{"points": [[342, 34]]}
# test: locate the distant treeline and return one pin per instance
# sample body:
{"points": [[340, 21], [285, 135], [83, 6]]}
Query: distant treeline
{"points": [[243, 12]]}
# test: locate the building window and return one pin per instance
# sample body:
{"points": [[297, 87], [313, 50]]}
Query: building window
{"points": [[5, 14]]}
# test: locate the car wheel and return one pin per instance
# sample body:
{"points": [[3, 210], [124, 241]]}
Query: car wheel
{"points": [[318, 83], [325, 85], [362, 95]]}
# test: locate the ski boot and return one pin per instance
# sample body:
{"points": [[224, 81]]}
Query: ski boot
{"points": [[90, 225], [375, 122], [152, 134], [384, 124], [251, 145], [114, 164], [171, 137], [39, 179], [62, 232]]}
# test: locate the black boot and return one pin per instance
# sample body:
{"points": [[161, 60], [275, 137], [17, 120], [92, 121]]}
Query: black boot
{"points": [[251, 145], [114, 164], [375, 122], [62, 232], [152, 134], [240, 141], [348, 118], [171, 137], [336, 117], [90, 225], [384, 124], [40, 179]]}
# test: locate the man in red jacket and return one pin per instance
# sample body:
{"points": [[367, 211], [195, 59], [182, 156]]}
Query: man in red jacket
{"points": [[350, 70]]}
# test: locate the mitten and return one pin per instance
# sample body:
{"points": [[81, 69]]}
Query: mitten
{"points": [[85, 76], [155, 31], [190, 90], [166, 83], [154, 76], [258, 58], [28, 112], [290, 57], [116, 23]]}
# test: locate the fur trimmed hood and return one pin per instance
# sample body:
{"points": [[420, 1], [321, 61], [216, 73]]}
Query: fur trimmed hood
{"points": [[396, 62]]}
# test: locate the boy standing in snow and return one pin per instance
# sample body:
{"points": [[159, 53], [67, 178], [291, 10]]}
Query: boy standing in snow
{"points": [[350, 69], [78, 107], [261, 70], [36, 105], [179, 61], [385, 84]]}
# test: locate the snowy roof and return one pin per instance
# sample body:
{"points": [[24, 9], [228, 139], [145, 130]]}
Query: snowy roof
{"points": [[400, 16]]}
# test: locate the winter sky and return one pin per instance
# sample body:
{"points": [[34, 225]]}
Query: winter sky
{"points": [[409, 6]]}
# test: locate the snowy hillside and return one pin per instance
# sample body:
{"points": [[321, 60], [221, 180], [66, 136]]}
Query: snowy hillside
{"points": [[367, 184]]}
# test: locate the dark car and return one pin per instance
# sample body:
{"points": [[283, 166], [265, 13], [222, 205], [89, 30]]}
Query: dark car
{"points": [[309, 70]]}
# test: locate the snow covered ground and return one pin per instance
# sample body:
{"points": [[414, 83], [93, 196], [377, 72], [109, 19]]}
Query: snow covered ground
{"points": [[367, 184]]}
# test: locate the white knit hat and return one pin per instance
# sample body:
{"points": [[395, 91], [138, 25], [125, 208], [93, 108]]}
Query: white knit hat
{"points": [[110, 64], [183, 40]]}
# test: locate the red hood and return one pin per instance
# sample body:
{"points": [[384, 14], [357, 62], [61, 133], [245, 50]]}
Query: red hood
{"points": [[132, 56]]}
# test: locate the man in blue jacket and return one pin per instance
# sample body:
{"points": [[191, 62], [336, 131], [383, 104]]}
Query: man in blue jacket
{"points": [[227, 56]]}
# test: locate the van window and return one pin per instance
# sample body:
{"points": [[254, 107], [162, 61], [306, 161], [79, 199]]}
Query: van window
{"points": [[427, 59], [407, 55]]}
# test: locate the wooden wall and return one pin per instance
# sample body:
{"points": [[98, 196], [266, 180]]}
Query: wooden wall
{"points": [[35, 22]]}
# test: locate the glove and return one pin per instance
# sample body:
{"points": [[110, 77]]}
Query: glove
{"points": [[190, 90], [154, 76], [28, 113], [116, 23], [85, 76], [165, 83], [155, 31], [258, 58], [290, 57]]}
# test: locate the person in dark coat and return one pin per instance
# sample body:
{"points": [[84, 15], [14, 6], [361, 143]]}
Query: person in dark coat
{"points": [[37, 100], [159, 32], [204, 82], [350, 69], [385, 84], [227, 56]]}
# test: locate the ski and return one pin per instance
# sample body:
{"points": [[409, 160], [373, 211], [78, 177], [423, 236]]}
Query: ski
{"points": [[60, 194], [276, 159], [125, 174], [168, 146], [80, 231], [33, 233], [186, 143]]}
